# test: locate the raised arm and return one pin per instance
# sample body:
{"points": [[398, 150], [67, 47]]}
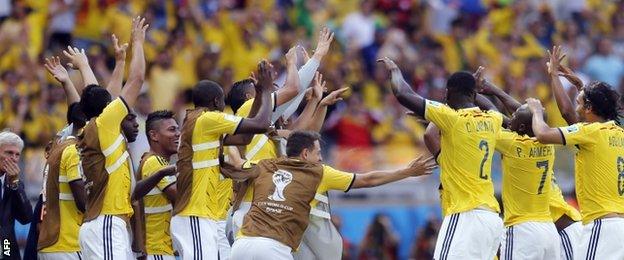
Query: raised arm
{"points": [[54, 67], [544, 133], [420, 166], [144, 186], [260, 123], [565, 105], [306, 74], [78, 60], [131, 89], [402, 91], [116, 80], [291, 87], [316, 93]]}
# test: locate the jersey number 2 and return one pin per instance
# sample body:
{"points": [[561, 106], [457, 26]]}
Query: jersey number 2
{"points": [[483, 145], [542, 164]]}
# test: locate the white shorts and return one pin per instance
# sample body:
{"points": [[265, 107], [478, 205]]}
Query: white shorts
{"points": [[570, 240], [160, 257], [194, 237], [474, 234], [260, 248], [223, 243], [321, 240], [239, 216], [602, 239], [530, 240], [60, 256], [105, 237]]}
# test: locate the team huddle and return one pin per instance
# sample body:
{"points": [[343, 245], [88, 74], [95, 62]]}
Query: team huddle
{"points": [[252, 185]]}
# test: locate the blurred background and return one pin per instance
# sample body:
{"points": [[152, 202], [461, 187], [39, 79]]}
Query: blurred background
{"points": [[223, 40]]}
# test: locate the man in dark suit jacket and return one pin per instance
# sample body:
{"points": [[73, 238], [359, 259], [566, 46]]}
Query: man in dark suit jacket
{"points": [[14, 204]]}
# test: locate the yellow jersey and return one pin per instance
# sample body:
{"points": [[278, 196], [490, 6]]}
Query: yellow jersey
{"points": [[261, 146], [207, 197], [599, 167], [71, 217], [527, 172], [468, 139], [157, 209], [333, 180], [118, 166], [558, 205]]}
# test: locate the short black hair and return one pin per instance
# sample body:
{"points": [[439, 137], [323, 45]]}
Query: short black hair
{"points": [[93, 100], [236, 97], [603, 100], [299, 140], [205, 92], [76, 116], [154, 117], [462, 82]]}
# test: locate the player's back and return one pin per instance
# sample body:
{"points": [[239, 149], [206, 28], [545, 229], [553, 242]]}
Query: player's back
{"points": [[468, 139], [599, 167], [527, 172]]}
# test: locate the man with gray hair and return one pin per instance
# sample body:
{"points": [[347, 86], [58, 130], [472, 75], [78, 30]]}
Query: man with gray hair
{"points": [[13, 201]]}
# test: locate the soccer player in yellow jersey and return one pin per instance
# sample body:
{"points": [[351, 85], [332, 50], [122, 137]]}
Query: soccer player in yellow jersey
{"points": [[526, 187], [471, 228], [194, 227], [275, 224], [599, 169], [565, 217], [105, 160], [156, 187]]}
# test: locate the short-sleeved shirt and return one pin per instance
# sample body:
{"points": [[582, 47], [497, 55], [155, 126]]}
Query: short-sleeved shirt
{"points": [[114, 147], [71, 217], [527, 172], [599, 167], [558, 205], [206, 199], [157, 236], [468, 139]]}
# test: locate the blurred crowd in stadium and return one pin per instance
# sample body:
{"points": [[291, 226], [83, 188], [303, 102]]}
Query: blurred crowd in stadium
{"points": [[223, 40]]}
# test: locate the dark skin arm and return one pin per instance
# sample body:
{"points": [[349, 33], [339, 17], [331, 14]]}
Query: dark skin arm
{"points": [[260, 123], [403, 91], [144, 186], [79, 193], [565, 105], [171, 192], [432, 139]]}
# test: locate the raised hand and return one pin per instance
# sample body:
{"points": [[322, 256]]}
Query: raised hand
{"points": [[77, 58], [138, 30], [291, 56], [265, 76], [390, 65], [54, 67], [326, 37], [554, 60], [319, 86], [120, 50], [422, 166], [534, 105], [333, 97]]}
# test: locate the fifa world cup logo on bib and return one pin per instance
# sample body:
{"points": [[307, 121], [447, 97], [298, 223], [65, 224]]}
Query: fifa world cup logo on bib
{"points": [[281, 179]]}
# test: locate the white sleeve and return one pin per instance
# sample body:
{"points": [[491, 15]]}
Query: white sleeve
{"points": [[306, 75]]}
